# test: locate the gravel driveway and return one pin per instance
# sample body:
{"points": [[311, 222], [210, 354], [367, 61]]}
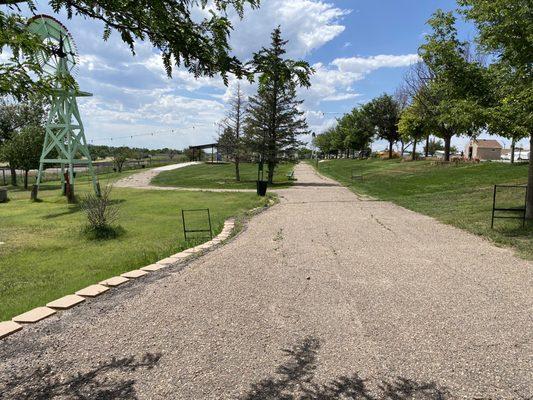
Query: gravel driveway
{"points": [[142, 180], [323, 296]]}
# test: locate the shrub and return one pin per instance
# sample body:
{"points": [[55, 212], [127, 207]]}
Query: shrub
{"points": [[102, 213]]}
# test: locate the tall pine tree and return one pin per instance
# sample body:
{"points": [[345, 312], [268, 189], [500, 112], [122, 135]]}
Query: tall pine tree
{"points": [[274, 120], [230, 141]]}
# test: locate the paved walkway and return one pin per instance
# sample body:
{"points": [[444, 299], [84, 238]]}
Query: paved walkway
{"points": [[142, 180], [324, 296]]}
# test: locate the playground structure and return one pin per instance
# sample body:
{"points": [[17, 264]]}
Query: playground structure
{"points": [[64, 127]]}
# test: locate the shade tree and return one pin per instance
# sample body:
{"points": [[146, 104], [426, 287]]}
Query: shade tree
{"points": [[508, 114], [412, 126], [323, 141], [357, 130], [14, 117], [120, 156], [353, 132], [23, 150], [383, 114], [454, 91], [505, 30]]}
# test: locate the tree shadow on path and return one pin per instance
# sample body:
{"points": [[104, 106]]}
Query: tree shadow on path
{"points": [[295, 382], [100, 382]]}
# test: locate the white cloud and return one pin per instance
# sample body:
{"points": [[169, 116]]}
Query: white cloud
{"points": [[175, 110], [306, 24], [335, 81], [190, 119], [365, 65], [5, 55], [319, 121], [93, 62], [330, 84], [133, 94]]}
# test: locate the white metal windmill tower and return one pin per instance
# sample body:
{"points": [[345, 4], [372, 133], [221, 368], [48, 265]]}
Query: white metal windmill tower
{"points": [[64, 128]]}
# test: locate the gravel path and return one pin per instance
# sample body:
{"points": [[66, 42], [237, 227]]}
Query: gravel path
{"points": [[323, 296], [142, 180]]}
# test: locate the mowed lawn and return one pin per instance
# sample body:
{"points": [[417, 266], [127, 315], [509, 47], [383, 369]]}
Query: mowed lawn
{"points": [[457, 195], [221, 176], [45, 256]]}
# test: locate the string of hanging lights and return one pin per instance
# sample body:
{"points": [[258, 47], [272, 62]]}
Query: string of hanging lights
{"points": [[154, 133]]}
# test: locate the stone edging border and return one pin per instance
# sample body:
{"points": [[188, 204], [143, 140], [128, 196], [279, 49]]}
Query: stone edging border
{"points": [[18, 322]]}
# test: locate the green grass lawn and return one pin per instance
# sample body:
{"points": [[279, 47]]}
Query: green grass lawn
{"points": [[45, 256], [220, 176], [457, 195]]}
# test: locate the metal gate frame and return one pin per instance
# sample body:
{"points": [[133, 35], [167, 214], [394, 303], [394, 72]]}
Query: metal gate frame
{"points": [[356, 175], [186, 231], [509, 210]]}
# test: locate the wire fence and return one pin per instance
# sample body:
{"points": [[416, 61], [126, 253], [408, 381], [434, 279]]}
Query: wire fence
{"points": [[100, 168]]}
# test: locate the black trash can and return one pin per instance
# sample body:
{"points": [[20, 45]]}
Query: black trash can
{"points": [[262, 188]]}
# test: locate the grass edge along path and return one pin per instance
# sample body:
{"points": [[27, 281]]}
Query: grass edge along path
{"points": [[460, 195], [45, 256]]}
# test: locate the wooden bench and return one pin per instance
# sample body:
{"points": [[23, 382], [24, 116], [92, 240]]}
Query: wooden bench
{"points": [[290, 175]]}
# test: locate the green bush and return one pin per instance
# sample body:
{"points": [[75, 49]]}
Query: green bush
{"points": [[102, 214]]}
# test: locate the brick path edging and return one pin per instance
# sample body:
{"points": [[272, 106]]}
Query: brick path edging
{"points": [[31, 317]]}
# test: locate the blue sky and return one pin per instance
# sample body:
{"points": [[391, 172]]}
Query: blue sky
{"points": [[359, 48]]}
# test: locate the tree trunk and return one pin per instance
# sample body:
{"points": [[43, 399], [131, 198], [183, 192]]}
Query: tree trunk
{"points": [[403, 148], [13, 176], [513, 146], [238, 133], [271, 167], [427, 147], [26, 179], [413, 154], [390, 149], [447, 147], [529, 203], [237, 171]]}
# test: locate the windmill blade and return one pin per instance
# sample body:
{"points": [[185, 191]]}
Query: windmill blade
{"points": [[58, 39]]}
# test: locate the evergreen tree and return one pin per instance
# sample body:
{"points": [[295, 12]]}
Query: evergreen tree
{"points": [[274, 120], [273, 137], [230, 141]]}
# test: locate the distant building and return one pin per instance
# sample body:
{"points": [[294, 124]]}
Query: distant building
{"points": [[519, 154], [483, 149]]}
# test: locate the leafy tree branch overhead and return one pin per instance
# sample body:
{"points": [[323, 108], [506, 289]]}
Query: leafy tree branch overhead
{"points": [[199, 44]]}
